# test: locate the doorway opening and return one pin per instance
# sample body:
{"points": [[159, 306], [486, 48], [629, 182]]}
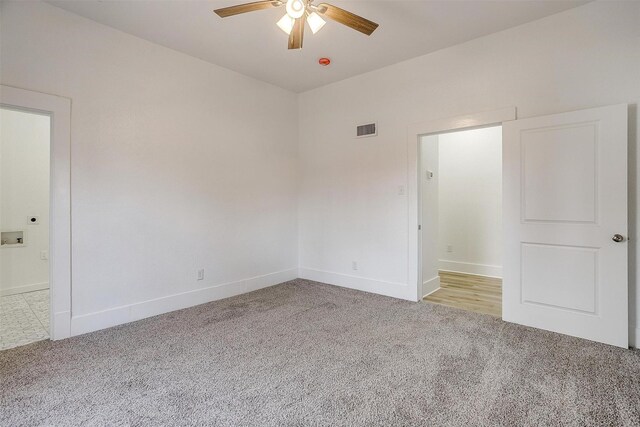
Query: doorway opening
{"points": [[460, 184], [25, 142]]}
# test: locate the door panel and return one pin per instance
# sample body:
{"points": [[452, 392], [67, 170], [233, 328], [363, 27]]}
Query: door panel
{"points": [[565, 196], [566, 191], [560, 276]]}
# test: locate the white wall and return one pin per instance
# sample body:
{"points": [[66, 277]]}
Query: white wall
{"points": [[177, 165], [24, 192], [350, 206], [470, 202], [429, 187]]}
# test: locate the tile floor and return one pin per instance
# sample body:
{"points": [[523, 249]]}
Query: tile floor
{"points": [[24, 318]]}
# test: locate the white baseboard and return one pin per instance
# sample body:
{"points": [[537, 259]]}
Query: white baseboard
{"points": [[390, 289], [132, 312], [25, 288], [430, 286], [62, 325], [470, 268]]}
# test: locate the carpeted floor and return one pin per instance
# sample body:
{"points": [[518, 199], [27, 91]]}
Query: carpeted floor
{"points": [[304, 353]]}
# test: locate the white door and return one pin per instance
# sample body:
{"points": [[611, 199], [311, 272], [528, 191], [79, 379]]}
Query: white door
{"points": [[565, 223]]}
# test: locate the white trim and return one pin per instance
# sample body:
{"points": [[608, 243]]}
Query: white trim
{"points": [[61, 325], [129, 313], [634, 223], [24, 289], [470, 268], [415, 131], [433, 284], [433, 291], [59, 109], [468, 121], [390, 289]]}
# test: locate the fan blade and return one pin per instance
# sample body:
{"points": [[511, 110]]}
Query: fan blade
{"points": [[248, 7], [297, 34], [349, 19]]}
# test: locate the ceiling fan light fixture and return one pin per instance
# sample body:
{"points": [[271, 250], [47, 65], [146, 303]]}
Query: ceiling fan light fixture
{"points": [[295, 8], [286, 23], [299, 14], [315, 22]]}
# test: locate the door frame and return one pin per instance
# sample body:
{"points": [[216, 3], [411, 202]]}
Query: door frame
{"points": [[59, 110], [415, 132]]}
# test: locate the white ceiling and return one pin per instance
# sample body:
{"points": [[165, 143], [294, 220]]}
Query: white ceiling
{"points": [[253, 45]]}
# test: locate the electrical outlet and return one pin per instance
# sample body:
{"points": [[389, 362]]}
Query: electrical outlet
{"points": [[449, 248], [201, 274], [354, 265], [44, 255]]}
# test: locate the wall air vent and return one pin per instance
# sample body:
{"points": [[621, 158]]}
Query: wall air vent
{"points": [[370, 129]]}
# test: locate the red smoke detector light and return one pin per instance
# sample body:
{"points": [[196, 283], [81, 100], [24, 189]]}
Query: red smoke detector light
{"points": [[324, 61]]}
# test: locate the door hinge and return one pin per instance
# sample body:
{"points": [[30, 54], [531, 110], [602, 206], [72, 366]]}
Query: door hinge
{"points": [[419, 227]]}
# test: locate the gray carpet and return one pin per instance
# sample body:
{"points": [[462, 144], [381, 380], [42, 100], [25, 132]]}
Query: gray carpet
{"points": [[304, 353]]}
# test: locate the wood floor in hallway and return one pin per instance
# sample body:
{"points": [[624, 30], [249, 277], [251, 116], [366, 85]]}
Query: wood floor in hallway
{"points": [[469, 292]]}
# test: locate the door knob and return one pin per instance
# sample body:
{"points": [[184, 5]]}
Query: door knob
{"points": [[618, 238]]}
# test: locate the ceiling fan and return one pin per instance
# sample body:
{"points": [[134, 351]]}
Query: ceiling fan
{"points": [[292, 22]]}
